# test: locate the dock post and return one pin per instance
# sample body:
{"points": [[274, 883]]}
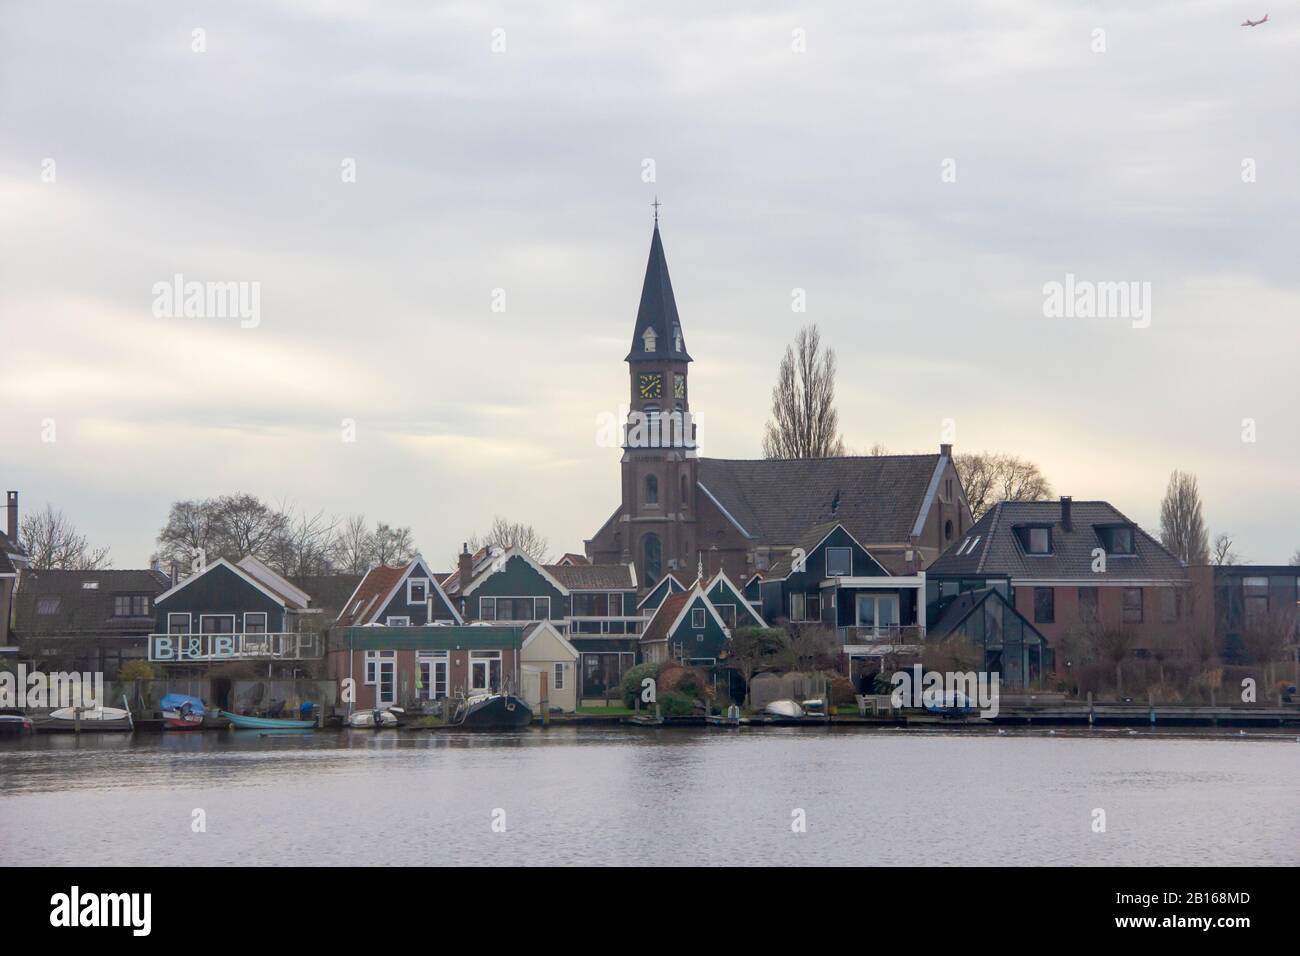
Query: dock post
{"points": [[1090, 716], [546, 699], [1214, 707], [1151, 705]]}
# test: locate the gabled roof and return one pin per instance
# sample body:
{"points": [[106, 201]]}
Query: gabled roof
{"points": [[235, 569], [743, 607], [503, 561], [77, 608], [478, 561], [878, 498], [992, 548], [657, 311], [813, 539], [571, 558], [595, 577], [966, 603], [380, 585], [329, 592], [669, 582], [535, 628], [293, 596], [673, 609]]}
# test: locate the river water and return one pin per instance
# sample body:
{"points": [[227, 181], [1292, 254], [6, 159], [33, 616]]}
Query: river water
{"points": [[644, 797]]}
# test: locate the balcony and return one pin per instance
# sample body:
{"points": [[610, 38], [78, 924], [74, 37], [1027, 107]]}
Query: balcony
{"points": [[863, 635], [280, 646], [604, 626]]}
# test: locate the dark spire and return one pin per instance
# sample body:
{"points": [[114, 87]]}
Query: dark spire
{"points": [[658, 312]]}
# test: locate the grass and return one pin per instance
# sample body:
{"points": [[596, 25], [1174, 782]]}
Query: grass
{"points": [[611, 711]]}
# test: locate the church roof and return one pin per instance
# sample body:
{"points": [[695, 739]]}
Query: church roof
{"points": [[776, 501], [658, 312]]}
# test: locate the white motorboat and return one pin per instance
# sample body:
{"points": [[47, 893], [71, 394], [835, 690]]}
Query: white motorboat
{"points": [[90, 720], [375, 719], [783, 708]]}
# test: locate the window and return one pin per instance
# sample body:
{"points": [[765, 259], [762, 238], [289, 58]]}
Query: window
{"points": [[697, 618], [1088, 604], [178, 623], [796, 607], [1044, 605], [397, 621], [648, 340], [651, 490], [431, 675], [727, 612], [1118, 539], [651, 559], [1132, 605], [1036, 540], [130, 605], [541, 609], [216, 624], [677, 338], [558, 678], [255, 622], [1170, 605], [839, 562], [47, 605], [814, 605], [417, 590], [484, 670], [1255, 595], [372, 663]]}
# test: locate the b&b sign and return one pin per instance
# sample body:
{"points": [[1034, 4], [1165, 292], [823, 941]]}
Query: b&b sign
{"points": [[191, 647]]}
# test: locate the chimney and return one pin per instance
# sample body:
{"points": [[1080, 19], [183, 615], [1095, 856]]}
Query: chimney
{"points": [[11, 512], [466, 566], [945, 450], [176, 576], [1066, 523]]}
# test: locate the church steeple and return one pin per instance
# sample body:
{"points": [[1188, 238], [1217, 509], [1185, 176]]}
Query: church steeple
{"points": [[658, 335]]}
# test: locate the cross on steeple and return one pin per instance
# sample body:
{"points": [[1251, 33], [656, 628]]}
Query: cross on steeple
{"points": [[656, 204]]}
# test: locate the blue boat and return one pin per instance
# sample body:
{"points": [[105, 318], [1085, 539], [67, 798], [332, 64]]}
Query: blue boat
{"points": [[266, 723]]}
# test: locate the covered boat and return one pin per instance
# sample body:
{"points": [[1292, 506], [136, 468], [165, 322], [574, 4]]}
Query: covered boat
{"points": [[783, 708], [182, 712], [14, 725], [492, 712], [88, 720]]}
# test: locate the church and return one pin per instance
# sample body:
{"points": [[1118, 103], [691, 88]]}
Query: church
{"points": [[685, 515]]}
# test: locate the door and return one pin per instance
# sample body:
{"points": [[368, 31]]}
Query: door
{"points": [[385, 683], [877, 614]]}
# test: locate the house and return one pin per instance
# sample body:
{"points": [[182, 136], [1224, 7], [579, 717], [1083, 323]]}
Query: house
{"points": [[407, 596], [831, 580], [86, 620], [1009, 644], [413, 665], [13, 560], [731, 604], [686, 628], [1227, 601], [229, 612], [549, 660], [1067, 564], [513, 588], [677, 509]]}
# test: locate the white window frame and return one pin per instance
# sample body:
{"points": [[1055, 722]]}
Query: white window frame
{"points": [[485, 658], [266, 620], [844, 574], [699, 618], [397, 620], [233, 621], [189, 622], [371, 665], [557, 676], [798, 598], [431, 660], [427, 590]]}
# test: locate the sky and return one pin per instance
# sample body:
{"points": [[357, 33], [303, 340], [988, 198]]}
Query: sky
{"points": [[446, 210]]}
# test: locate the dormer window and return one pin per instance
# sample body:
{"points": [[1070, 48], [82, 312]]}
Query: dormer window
{"points": [[1117, 539], [1035, 539], [417, 590], [677, 338], [649, 340]]}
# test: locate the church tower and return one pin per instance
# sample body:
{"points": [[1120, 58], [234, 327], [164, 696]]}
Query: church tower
{"points": [[659, 457]]}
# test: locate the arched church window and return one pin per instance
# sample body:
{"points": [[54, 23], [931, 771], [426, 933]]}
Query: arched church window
{"points": [[685, 500], [651, 490], [649, 339], [651, 559]]}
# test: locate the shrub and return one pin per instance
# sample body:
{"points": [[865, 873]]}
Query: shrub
{"points": [[676, 704], [632, 679], [135, 670]]}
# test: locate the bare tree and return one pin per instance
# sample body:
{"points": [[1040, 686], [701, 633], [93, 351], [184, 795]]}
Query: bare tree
{"points": [[514, 534], [251, 526], [753, 649], [804, 422], [1115, 644], [354, 546], [1295, 558], [393, 545], [192, 526], [878, 450], [1182, 529], [52, 543], [1266, 637], [304, 545], [1222, 553], [990, 477]]}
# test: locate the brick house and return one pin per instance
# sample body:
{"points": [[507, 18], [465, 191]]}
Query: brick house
{"points": [[1064, 563]]}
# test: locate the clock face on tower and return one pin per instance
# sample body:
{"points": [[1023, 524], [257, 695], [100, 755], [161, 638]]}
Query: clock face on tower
{"points": [[650, 385], [679, 385]]}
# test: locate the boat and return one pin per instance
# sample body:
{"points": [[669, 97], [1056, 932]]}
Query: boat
{"points": [[246, 722], [783, 708], [492, 712], [89, 720], [14, 725], [376, 719], [181, 712]]}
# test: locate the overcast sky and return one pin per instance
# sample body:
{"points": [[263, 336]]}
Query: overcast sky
{"points": [[522, 170]]}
